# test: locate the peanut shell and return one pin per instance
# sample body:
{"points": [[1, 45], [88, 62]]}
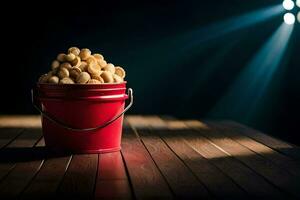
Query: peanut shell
{"points": [[74, 50], [84, 54], [83, 77]]}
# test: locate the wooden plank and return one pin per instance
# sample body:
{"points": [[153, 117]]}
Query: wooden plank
{"points": [[262, 166], [7, 135], [290, 165], [147, 181], [288, 149], [46, 182], [27, 139], [216, 181], [80, 177], [181, 180], [28, 162], [219, 184], [16, 151], [111, 166], [20, 121], [246, 178], [113, 189], [112, 181]]}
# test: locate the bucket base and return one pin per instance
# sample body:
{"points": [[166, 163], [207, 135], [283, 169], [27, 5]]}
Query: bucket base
{"points": [[68, 151]]}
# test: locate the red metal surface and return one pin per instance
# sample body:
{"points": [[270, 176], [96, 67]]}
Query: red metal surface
{"points": [[82, 106]]}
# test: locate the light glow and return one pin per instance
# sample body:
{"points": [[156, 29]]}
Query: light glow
{"points": [[246, 98], [289, 18], [298, 3], [298, 17], [219, 29], [288, 4]]}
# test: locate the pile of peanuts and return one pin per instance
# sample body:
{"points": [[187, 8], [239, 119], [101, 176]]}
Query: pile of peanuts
{"points": [[82, 67]]}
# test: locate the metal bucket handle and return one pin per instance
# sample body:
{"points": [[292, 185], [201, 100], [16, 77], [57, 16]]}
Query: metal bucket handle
{"points": [[52, 119]]}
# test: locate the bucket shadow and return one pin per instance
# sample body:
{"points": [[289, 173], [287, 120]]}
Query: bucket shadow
{"points": [[25, 154]]}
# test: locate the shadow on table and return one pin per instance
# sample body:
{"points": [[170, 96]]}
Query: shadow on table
{"points": [[25, 154], [219, 135], [215, 167]]}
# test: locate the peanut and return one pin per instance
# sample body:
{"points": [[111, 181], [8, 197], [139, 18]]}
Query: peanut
{"points": [[93, 68], [66, 65], [97, 77], [120, 71], [109, 67], [83, 66], [102, 63], [55, 64], [117, 79], [91, 60], [84, 54], [93, 81], [74, 50], [98, 56], [74, 72], [63, 72], [70, 57], [61, 57], [83, 77], [53, 79], [66, 80], [76, 62], [107, 77]]}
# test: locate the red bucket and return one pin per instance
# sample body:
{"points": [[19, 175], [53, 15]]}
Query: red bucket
{"points": [[82, 118]]}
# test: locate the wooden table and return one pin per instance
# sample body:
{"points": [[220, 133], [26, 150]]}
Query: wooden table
{"points": [[161, 158]]}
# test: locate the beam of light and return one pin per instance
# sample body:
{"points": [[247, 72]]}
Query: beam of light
{"points": [[288, 4], [289, 18], [246, 92], [20, 121], [173, 50], [298, 3], [219, 29], [298, 17]]}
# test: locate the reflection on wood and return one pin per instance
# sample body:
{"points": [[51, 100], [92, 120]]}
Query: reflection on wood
{"points": [[161, 158]]}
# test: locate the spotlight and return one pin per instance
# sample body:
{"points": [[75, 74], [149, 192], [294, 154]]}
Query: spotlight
{"points": [[289, 18], [298, 16], [288, 4], [256, 83], [298, 3]]}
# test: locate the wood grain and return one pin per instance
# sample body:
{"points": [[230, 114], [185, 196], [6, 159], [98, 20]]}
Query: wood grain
{"points": [[290, 165], [112, 181], [80, 177], [147, 181], [46, 182], [288, 149], [252, 183], [179, 177], [113, 189], [7, 135], [23, 172], [262, 166], [161, 158], [219, 184]]}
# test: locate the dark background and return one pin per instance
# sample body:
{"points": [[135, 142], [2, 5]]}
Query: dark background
{"points": [[150, 40]]}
